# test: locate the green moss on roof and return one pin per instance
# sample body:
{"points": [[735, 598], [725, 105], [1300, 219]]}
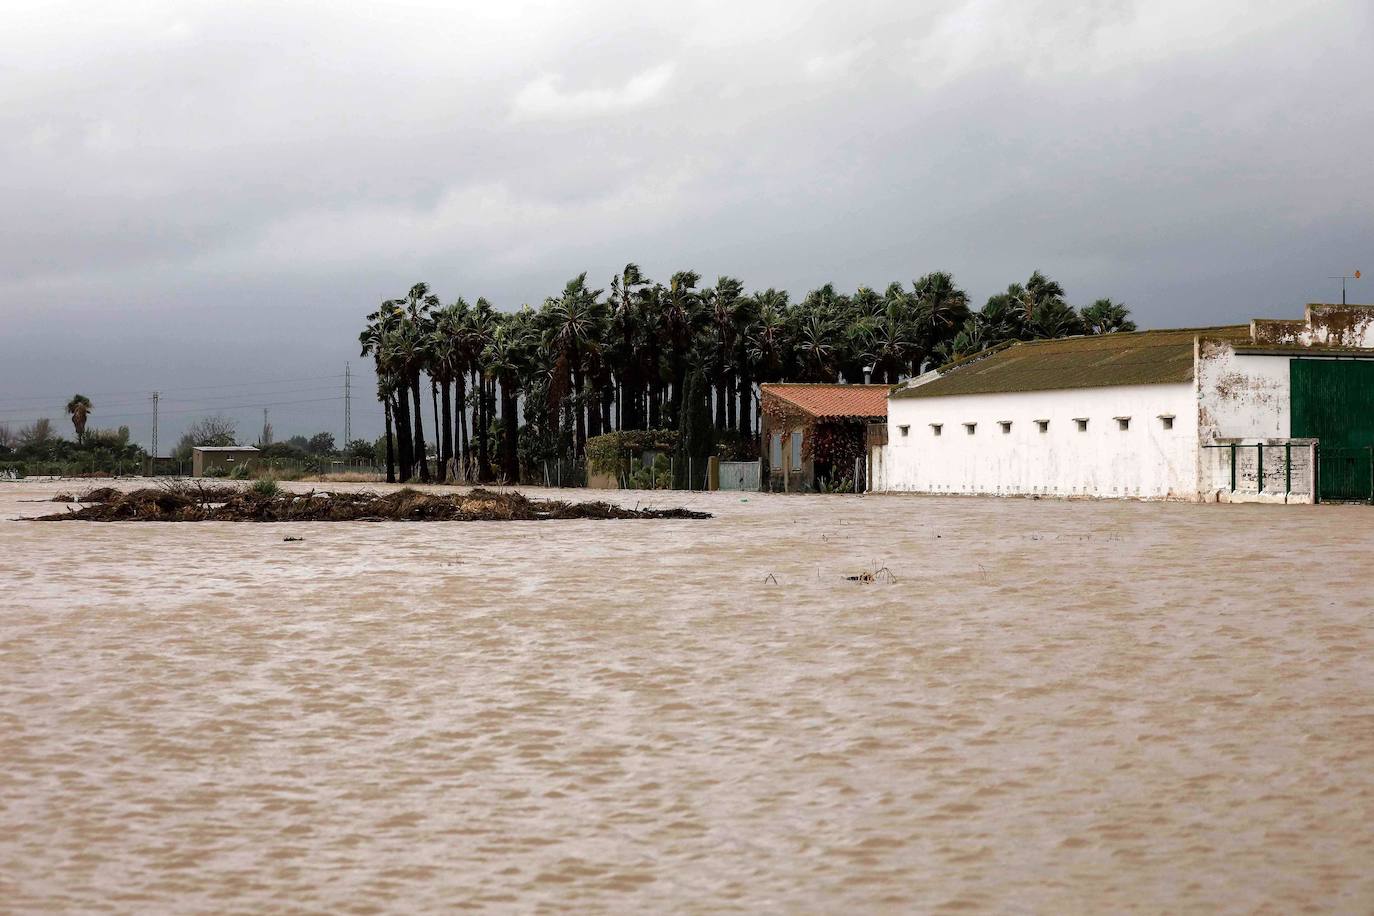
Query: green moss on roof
{"points": [[1129, 358]]}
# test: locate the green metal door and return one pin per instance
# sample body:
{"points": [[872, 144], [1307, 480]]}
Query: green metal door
{"points": [[1333, 401]]}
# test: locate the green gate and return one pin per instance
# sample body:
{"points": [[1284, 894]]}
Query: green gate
{"points": [[1333, 401]]}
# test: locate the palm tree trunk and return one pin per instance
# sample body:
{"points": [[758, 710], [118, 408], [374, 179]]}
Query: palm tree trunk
{"points": [[438, 431], [464, 452], [746, 402], [730, 400], [404, 441], [483, 424], [592, 403], [510, 438], [420, 458], [390, 450], [446, 449], [579, 414]]}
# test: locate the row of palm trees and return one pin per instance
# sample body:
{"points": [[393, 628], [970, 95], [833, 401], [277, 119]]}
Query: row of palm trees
{"points": [[591, 360]]}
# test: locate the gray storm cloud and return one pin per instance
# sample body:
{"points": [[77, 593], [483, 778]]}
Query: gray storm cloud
{"points": [[199, 193]]}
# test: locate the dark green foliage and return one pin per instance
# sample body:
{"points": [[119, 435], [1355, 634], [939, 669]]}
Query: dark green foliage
{"points": [[522, 390], [320, 444], [613, 453], [696, 442]]}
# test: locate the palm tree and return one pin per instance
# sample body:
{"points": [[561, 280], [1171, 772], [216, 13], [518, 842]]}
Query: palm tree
{"points": [[817, 354], [888, 345], [478, 331], [445, 355], [1106, 317], [575, 335], [651, 341], [624, 328], [378, 340], [506, 361], [681, 307], [722, 306], [384, 395], [79, 408], [941, 310], [769, 339], [414, 345]]}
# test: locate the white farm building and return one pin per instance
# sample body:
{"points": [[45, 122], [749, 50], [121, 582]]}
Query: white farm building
{"points": [[1277, 411]]}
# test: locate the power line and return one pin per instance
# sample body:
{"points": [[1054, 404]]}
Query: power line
{"points": [[207, 401], [118, 394], [257, 405]]}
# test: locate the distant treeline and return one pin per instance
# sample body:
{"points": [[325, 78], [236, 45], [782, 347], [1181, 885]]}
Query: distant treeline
{"points": [[589, 360]]}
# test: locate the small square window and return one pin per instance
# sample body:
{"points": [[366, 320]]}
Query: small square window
{"points": [[1123, 423], [1082, 424], [904, 429], [970, 428], [1166, 421], [1044, 425], [1006, 426], [936, 428]]}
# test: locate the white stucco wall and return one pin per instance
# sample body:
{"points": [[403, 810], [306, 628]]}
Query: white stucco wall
{"points": [[1144, 460], [1241, 395]]}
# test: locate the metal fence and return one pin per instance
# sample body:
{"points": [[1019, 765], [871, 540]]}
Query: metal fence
{"points": [[1262, 470], [1345, 474]]}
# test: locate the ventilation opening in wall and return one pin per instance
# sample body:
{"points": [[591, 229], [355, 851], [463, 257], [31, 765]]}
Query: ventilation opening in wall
{"points": [[935, 428], [1044, 425], [905, 430], [1123, 423], [1082, 423], [1166, 420], [1006, 426], [970, 428]]}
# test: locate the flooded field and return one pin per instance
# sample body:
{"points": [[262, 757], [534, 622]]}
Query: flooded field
{"points": [[1053, 706]]}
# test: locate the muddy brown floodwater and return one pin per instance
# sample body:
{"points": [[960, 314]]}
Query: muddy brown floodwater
{"points": [[1056, 706]]}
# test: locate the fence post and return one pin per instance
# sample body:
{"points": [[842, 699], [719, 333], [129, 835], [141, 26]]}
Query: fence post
{"points": [[1259, 468], [1288, 468], [1233, 467], [1371, 475]]}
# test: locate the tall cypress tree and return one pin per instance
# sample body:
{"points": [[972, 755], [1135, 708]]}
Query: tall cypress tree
{"points": [[696, 441]]}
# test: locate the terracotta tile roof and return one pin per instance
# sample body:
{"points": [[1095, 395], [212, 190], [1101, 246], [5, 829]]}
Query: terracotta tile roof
{"points": [[1127, 358], [830, 400]]}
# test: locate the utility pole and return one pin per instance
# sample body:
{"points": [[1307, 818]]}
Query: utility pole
{"points": [[348, 405], [155, 397]]}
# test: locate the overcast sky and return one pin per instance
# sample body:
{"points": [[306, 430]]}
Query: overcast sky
{"points": [[213, 194]]}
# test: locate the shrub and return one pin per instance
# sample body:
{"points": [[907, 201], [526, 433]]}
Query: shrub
{"points": [[731, 445], [239, 473], [216, 472], [610, 454], [266, 487], [655, 477], [12, 469]]}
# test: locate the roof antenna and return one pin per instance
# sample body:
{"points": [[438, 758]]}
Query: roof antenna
{"points": [[1343, 279]]}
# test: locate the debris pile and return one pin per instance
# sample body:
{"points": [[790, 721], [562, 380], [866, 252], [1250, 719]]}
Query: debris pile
{"points": [[183, 502]]}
